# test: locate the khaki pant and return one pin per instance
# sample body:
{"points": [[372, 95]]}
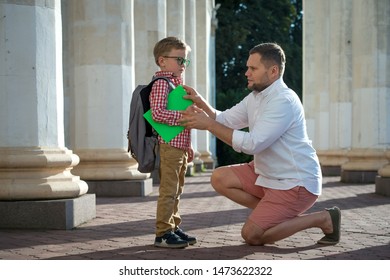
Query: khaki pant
{"points": [[173, 167]]}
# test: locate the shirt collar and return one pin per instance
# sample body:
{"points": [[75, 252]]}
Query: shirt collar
{"points": [[164, 74], [278, 83], [168, 74]]}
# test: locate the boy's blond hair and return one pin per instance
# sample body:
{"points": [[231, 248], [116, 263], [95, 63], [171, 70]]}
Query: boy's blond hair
{"points": [[164, 46]]}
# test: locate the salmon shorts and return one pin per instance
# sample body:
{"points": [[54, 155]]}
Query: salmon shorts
{"points": [[275, 206]]}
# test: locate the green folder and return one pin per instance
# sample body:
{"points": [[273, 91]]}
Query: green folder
{"points": [[175, 102]]}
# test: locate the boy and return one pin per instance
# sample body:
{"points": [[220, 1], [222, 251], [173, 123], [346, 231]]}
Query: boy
{"points": [[171, 56]]}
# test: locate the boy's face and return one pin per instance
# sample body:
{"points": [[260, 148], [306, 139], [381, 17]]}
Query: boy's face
{"points": [[174, 62]]}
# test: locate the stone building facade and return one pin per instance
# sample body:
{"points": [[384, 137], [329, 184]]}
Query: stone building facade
{"points": [[347, 88], [67, 70]]}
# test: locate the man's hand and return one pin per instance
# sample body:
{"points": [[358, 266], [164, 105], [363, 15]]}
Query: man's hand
{"points": [[199, 101], [193, 95], [201, 115], [194, 117]]}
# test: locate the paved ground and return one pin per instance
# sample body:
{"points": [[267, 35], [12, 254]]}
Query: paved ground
{"points": [[123, 229]]}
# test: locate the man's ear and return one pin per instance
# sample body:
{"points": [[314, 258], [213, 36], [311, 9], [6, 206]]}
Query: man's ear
{"points": [[275, 71]]}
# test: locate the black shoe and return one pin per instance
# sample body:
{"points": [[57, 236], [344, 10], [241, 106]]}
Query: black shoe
{"points": [[190, 239], [334, 237], [170, 240]]}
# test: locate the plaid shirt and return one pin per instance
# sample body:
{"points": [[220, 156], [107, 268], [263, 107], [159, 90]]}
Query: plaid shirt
{"points": [[158, 103]]}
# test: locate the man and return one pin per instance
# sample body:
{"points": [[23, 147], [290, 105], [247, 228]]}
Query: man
{"points": [[284, 179]]}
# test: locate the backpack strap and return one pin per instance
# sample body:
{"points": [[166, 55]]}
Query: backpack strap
{"points": [[170, 84]]}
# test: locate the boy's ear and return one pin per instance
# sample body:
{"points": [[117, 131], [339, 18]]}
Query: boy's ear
{"points": [[160, 60]]}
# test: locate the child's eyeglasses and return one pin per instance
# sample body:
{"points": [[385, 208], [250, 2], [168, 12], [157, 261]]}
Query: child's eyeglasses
{"points": [[180, 60]]}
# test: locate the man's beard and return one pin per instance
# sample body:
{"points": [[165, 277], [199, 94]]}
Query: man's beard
{"points": [[258, 87]]}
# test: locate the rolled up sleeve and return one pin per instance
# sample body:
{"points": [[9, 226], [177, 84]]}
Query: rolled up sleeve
{"points": [[238, 140]]}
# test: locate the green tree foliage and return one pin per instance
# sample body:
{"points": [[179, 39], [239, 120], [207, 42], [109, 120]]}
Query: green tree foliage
{"points": [[242, 24]]}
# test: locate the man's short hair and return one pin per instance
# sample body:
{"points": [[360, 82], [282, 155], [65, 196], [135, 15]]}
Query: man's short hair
{"points": [[271, 53]]}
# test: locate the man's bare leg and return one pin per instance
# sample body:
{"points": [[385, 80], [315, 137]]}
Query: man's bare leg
{"points": [[225, 182], [254, 235]]}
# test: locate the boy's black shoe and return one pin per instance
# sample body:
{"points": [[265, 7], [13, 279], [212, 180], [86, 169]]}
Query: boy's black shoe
{"points": [[190, 239], [170, 240]]}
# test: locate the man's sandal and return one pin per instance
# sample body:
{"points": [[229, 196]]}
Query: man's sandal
{"points": [[334, 237]]}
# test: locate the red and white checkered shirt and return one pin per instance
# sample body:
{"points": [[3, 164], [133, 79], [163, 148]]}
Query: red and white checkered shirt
{"points": [[158, 103]]}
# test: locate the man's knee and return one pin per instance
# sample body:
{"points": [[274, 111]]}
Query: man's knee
{"points": [[252, 234], [217, 179], [251, 238]]}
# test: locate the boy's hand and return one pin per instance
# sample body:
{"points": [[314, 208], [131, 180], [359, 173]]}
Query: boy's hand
{"points": [[190, 155]]}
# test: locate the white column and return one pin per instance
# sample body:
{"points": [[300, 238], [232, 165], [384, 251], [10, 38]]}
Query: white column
{"points": [[176, 18], [340, 95], [34, 163], [190, 39], [370, 91], [382, 182], [100, 80], [315, 71], [37, 188], [340, 75], [345, 85], [204, 13], [150, 26], [191, 71], [212, 84], [324, 29]]}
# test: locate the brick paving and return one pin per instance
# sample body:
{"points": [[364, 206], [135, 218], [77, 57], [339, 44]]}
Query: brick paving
{"points": [[124, 230]]}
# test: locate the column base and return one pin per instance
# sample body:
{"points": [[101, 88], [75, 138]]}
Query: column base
{"points": [[210, 165], [382, 185], [198, 166], [364, 177], [39, 173], [208, 161], [191, 169], [47, 214], [331, 170], [122, 188]]}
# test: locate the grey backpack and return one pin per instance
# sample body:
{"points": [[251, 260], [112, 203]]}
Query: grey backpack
{"points": [[142, 139]]}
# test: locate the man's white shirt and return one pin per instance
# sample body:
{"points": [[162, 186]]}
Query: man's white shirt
{"points": [[283, 154]]}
